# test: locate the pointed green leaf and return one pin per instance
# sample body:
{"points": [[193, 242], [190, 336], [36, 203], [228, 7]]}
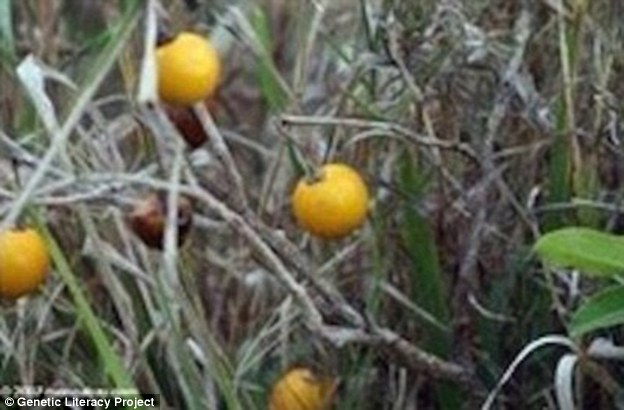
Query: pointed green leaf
{"points": [[592, 252], [602, 310]]}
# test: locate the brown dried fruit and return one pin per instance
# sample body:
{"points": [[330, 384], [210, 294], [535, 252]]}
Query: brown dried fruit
{"points": [[187, 124], [148, 219]]}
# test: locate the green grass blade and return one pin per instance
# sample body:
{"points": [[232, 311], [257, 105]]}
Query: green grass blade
{"points": [[112, 363], [7, 40], [558, 181], [428, 289], [428, 285], [269, 85]]}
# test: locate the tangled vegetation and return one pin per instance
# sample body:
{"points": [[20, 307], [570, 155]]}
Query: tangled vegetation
{"points": [[464, 254]]}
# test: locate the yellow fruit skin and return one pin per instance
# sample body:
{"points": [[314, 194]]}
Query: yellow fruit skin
{"points": [[188, 69], [300, 389], [332, 206], [24, 262]]}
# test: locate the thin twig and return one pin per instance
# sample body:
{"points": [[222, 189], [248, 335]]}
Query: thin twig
{"points": [[221, 151], [403, 350], [382, 125]]}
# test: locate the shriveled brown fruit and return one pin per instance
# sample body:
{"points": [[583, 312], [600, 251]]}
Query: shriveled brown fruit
{"points": [[148, 219], [187, 124]]}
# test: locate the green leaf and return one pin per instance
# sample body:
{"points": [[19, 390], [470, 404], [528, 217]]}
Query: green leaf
{"points": [[592, 252], [602, 310]]}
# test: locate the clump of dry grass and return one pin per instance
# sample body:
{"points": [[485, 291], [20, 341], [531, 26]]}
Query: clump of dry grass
{"points": [[478, 126]]}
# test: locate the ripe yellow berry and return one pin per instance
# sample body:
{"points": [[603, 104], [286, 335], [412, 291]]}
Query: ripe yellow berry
{"points": [[332, 205], [188, 69], [300, 389], [24, 262]]}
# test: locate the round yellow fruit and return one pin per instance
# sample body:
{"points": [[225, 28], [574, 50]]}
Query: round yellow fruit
{"points": [[300, 389], [24, 262], [188, 69], [332, 205]]}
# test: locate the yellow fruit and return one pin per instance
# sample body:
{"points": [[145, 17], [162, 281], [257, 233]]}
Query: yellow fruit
{"points": [[300, 389], [24, 262], [188, 69], [332, 205]]}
